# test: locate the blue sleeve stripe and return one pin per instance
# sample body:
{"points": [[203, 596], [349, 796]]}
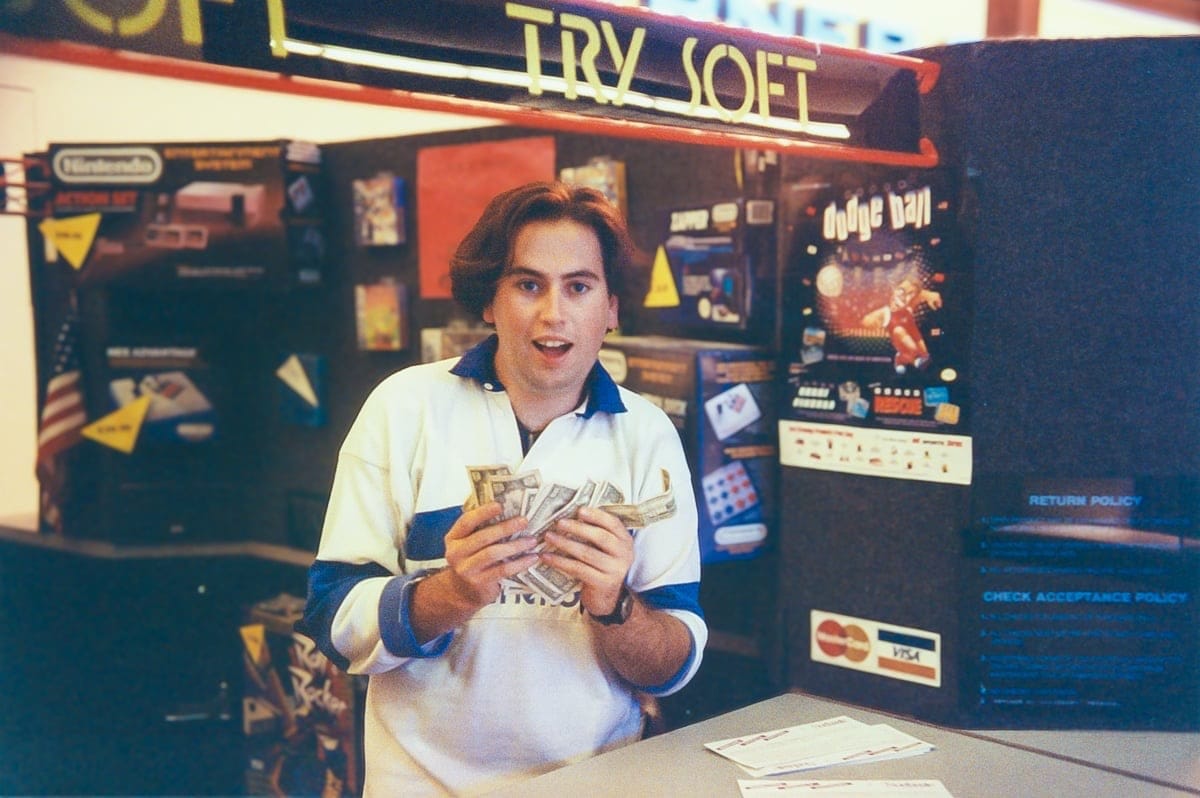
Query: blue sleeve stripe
{"points": [[684, 597], [395, 623], [328, 585], [395, 631], [426, 536]]}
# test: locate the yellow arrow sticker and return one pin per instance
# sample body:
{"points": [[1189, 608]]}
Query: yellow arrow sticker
{"points": [[254, 636], [295, 377], [119, 429], [662, 293], [72, 236]]}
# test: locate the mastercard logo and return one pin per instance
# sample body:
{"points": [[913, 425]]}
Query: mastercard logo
{"points": [[836, 640]]}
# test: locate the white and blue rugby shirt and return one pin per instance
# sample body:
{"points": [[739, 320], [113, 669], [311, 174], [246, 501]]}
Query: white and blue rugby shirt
{"points": [[519, 689]]}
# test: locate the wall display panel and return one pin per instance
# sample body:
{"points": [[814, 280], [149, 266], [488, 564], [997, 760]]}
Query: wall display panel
{"points": [[713, 274], [1051, 583], [720, 398], [219, 403], [1084, 353]]}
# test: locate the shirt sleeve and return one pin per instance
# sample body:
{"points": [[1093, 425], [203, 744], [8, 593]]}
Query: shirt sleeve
{"points": [[666, 567], [358, 591]]}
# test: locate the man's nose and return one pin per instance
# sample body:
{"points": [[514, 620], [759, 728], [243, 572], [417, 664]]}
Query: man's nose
{"points": [[551, 306]]}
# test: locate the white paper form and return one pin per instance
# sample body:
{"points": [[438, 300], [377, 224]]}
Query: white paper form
{"points": [[908, 788], [837, 741]]}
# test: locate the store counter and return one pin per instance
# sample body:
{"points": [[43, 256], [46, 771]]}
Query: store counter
{"points": [[971, 764], [22, 530], [1170, 758], [122, 664]]}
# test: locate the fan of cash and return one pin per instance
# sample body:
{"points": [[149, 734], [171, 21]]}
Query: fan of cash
{"points": [[524, 494]]}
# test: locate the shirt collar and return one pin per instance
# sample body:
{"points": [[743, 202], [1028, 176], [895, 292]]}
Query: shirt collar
{"points": [[479, 363]]}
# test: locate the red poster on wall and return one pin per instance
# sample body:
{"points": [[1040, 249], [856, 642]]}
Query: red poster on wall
{"points": [[455, 183]]}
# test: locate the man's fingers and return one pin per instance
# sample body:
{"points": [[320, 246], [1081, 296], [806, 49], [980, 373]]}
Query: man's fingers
{"points": [[499, 557], [576, 536], [474, 529], [472, 519]]}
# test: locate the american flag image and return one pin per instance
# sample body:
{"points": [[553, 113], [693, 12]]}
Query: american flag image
{"points": [[62, 419]]}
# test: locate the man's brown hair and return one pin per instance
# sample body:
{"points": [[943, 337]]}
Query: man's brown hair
{"points": [[486, 251]]}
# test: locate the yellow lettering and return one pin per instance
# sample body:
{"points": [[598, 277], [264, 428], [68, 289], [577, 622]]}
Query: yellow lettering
{"points": [[191, 28], [133, 25], [710, 92], [625, 62], [689, 47], [189, 22], [139, 23], [276, 27], [766, 87], [801, 65], [90, 16], [587, 59], [532, 17]]}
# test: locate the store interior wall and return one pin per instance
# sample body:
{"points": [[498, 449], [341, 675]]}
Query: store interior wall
{"points": [[43, 102]]}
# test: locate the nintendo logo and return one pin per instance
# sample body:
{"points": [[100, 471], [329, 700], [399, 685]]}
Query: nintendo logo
{"points": [[132, 165]]}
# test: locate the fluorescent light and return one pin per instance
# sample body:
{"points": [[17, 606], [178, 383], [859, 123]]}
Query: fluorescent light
{"points": [[501, 77]]}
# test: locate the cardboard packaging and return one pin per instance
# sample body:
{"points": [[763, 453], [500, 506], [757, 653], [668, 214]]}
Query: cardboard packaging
{"points": [[714, 272], [184, 215], [299, 712], [720, 398]]}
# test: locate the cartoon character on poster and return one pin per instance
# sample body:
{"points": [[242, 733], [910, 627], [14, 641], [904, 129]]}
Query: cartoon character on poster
{"points": [[898, 320], [880, 304]]}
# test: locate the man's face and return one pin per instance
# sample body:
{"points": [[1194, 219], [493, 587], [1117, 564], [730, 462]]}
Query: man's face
{"points": [[551, 311]]}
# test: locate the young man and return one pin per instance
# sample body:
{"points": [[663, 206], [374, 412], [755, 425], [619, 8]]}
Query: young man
{"points": [[477, 680]]}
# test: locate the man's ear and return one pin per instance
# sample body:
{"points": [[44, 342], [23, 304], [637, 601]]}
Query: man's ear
{"points": [[488, 316], [613, 316]]}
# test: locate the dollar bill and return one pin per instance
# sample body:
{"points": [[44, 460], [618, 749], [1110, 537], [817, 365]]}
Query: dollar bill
{"points": [[652, 510], [481, 491], [511, 489], [580, 498], [549, 502], [549, 582], [607, 493], [544, 505]]}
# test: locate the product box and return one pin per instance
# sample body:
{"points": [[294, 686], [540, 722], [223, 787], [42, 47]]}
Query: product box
{"points": [[720, 397], [299, 712], [188, 214], [714, 271], [603, 174]]}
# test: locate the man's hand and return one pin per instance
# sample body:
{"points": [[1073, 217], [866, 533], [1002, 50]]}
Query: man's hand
{"points": [[478, 555], [595, 548]]}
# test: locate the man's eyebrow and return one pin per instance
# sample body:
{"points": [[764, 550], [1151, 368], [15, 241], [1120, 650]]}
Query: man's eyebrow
{"points": [[527, 271]]}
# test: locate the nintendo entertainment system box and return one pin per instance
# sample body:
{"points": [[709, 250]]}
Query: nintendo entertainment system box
{"points": [[180, 214], [720, 398]]}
